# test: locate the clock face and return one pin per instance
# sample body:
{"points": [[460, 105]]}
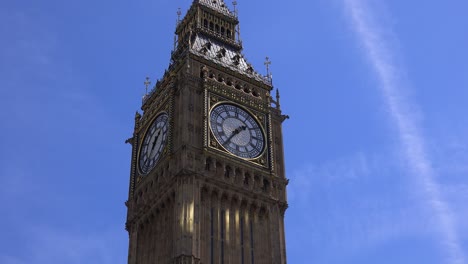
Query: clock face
{"points": [[237, 131], [153, 143]]}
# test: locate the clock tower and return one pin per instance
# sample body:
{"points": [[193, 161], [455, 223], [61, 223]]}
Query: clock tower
{"points": [[207, 181]]}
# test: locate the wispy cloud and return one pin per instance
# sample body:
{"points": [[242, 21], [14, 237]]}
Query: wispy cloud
{"points": [[374, 38], [328, 174], [355, 205]]}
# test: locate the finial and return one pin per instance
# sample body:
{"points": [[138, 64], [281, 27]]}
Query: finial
{"points": [[137, 116], [234, 3], [147, 83], [267, 64], [179, 13], [236, 12]]}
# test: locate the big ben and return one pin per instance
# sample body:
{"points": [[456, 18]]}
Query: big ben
{"points": [[207, 181]]}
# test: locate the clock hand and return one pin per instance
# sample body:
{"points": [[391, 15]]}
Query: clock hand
{"points": [[236, 131], [155, 141], [150, 152], [153, 144]]}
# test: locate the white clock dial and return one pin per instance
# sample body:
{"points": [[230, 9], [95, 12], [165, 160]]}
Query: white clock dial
{"points": [[153, 143], [237, 131]]}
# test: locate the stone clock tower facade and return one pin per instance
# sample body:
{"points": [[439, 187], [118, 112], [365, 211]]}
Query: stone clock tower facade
{"points": [[207, 181]]}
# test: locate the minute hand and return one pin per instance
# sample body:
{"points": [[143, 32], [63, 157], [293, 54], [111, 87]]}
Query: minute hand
{"points": [[154, 142], [237, 131]]}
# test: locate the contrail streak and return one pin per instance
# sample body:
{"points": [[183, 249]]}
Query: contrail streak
{"points": [[374, 39]]}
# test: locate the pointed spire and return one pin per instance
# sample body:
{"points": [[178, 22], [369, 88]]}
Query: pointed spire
{"points": [[278, 106]]}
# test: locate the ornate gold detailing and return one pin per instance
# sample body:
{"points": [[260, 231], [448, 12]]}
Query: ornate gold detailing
{"points": [[261, 118], [270, 141]]}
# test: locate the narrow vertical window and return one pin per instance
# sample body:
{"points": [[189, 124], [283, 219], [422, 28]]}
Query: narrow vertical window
{"points": [[223, 231], [227, 172], [208, 160], [212, 235], [251, 242], [242, 238]]}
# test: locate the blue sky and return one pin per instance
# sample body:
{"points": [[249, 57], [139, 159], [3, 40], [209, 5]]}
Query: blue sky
{"points": [[376, 147]]}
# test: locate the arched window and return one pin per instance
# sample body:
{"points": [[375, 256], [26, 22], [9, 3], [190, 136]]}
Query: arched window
{"points": [[217, 29], [205, 23], [222, 31], [211, 26], [228, 33]]}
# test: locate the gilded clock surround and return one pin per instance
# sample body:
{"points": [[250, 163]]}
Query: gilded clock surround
{"points": [[258, 117]]}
